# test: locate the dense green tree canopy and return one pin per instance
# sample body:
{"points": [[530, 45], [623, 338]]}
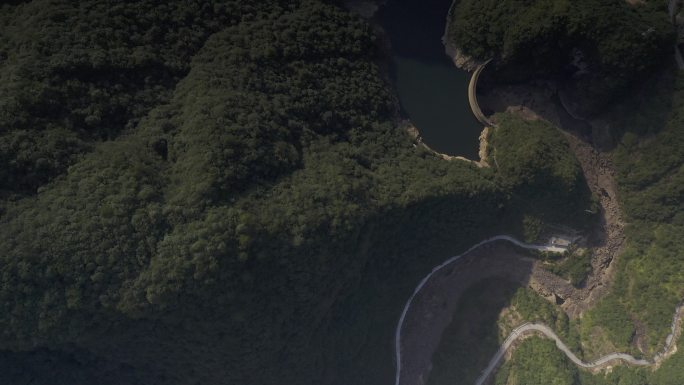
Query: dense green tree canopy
{"points": [[218, 192], [598, 48], [613, 34]]}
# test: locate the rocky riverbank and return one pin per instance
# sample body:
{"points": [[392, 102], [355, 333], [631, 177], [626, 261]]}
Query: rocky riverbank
{"points": [[482, 152]]}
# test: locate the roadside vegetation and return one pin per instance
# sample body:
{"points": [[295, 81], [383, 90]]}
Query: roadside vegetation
{"points": [[204, 192], [649, 281], [537, 358], [619, 43], [485, 315], [537, 361]]}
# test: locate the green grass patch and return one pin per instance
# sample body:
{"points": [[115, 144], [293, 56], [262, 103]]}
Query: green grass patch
{"points": [[575, 267]]}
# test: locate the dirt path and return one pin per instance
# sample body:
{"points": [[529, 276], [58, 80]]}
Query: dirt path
{"points": [[430, 308]]}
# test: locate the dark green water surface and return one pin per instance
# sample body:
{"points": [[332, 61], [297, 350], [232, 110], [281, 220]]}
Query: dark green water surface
{"points": [[432, 91]]}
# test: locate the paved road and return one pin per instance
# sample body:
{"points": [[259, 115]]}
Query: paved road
{"points": [[668, 349], [527, 328], [397, 335], [541, 328]]}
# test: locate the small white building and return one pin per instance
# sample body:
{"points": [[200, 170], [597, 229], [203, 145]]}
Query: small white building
{"points": [[561, 242]]}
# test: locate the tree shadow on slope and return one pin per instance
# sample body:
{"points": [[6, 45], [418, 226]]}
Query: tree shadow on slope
{"points": [[640, 109], [486, 313], [473, 337], [50, 367]]}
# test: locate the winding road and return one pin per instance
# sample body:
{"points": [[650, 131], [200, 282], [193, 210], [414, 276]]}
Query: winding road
{"points": [[535, 328], [528, 328], [397, 335]]}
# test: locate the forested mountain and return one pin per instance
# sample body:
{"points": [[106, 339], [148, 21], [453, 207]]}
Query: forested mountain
{"points": [[637, 314], [599, 48], [218, 192]]}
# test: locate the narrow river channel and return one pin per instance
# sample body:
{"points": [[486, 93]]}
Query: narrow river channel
{"points": [[431, 89]]}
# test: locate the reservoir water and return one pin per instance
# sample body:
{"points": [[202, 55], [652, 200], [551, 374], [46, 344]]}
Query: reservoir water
{"points": [[432, 91]]}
